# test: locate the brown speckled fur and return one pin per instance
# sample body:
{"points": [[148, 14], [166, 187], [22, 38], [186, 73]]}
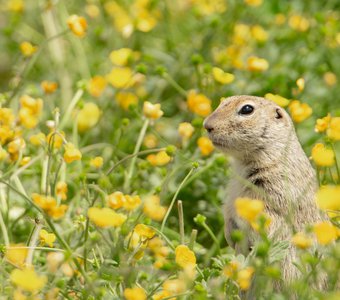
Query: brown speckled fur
{"points": [[268, 163]]}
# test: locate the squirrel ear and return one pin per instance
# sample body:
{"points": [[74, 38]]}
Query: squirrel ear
{"points": [[278, 113]]}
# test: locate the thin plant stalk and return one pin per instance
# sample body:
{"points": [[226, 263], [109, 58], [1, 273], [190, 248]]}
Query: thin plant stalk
{"points": [[181, 220], [32, 243], [174, 198], [134, 158], [4, 230], [193, 237]]}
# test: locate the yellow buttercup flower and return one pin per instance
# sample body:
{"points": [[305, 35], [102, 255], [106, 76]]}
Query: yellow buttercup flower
{"points": [[185, 130], [244, 278], [116, 200], [28, 280], [333, 132], [131, 202], [221, 76], [162, 295], [49, 87], [328, 197], [322, 156], [300, 84], [44, 202], [55, 138], [16, 254], [298, 23], [92, 11], [299, 111], [47, 238], [185, 257], [150, 141], [256, 64], [174, 286], [97, 162], [249, 209], [121, 56], [61, 190], [330, 79], [253, 2], [153, 209], [16, 5], [199, 104], [97, 85], [207, 8], [135, 293], [125, 99], [105, 217], [71, 153], [323, 123], [258, 33], [205, 145], [77, 24], [27, 49], [152, 111], [159, 159], [88, 117], [144, 231], [301, 241], [120, 77], [30, 111], [279, 100], [231, 269], [25, 160], [325, 232]]}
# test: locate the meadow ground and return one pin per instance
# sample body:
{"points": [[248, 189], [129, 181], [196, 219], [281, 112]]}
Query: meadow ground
{"points": [[109, 186]]}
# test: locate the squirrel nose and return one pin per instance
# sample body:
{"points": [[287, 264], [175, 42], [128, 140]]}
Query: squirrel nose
{"points": [[208, 126]]}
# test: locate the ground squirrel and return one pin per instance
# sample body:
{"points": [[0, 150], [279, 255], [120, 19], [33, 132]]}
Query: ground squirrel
{"points": [[268, 163]]}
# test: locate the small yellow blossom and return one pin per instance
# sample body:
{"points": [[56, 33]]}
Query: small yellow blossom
{"points": [[231, 269], [244, 278], [92, 10], [174, 286], [116, 200], [300, 84], [259, 33], [185, 130], [159, 159], [57, 138], [253, 2], [328, 197], [96, 162], [16, 254], [152, 111], [16, 6], [301, 241], [126, 99], [105, 217], [71, 153], [47, 238], [221, 76], [256, 64], [25, 160], [135, 293], [249, 209], [325, 232], [28, 280], [131, 202], [150, 141], [77, 24], [153, 209], [185, 257], [330, 79], [206, 8], [205, 145], [57, 212], [88, 117], [120, 77], [61, 190], [49, 87], [27, 49], [199, 104], [279, 100], [333, 132], [280, 19], [299, 111], [322, 156], [29, 111], [323, 123], [298, 23], [162, 295], [96, 86], [144, 231], [44, 202], [121, 56]]}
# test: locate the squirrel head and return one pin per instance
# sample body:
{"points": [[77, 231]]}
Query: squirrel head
{"points": [[246, 124]]}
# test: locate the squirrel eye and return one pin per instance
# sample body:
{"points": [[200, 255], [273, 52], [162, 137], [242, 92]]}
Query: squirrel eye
{"points": [[246, 110]]}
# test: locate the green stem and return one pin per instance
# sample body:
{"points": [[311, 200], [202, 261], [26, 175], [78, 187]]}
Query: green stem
{"points": [[175, 85], [181, 220], [212, 235], [336, 162], [4, 230], [32, 243], [134, 158], [77, 96], [174, 198], [193, 237]]}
